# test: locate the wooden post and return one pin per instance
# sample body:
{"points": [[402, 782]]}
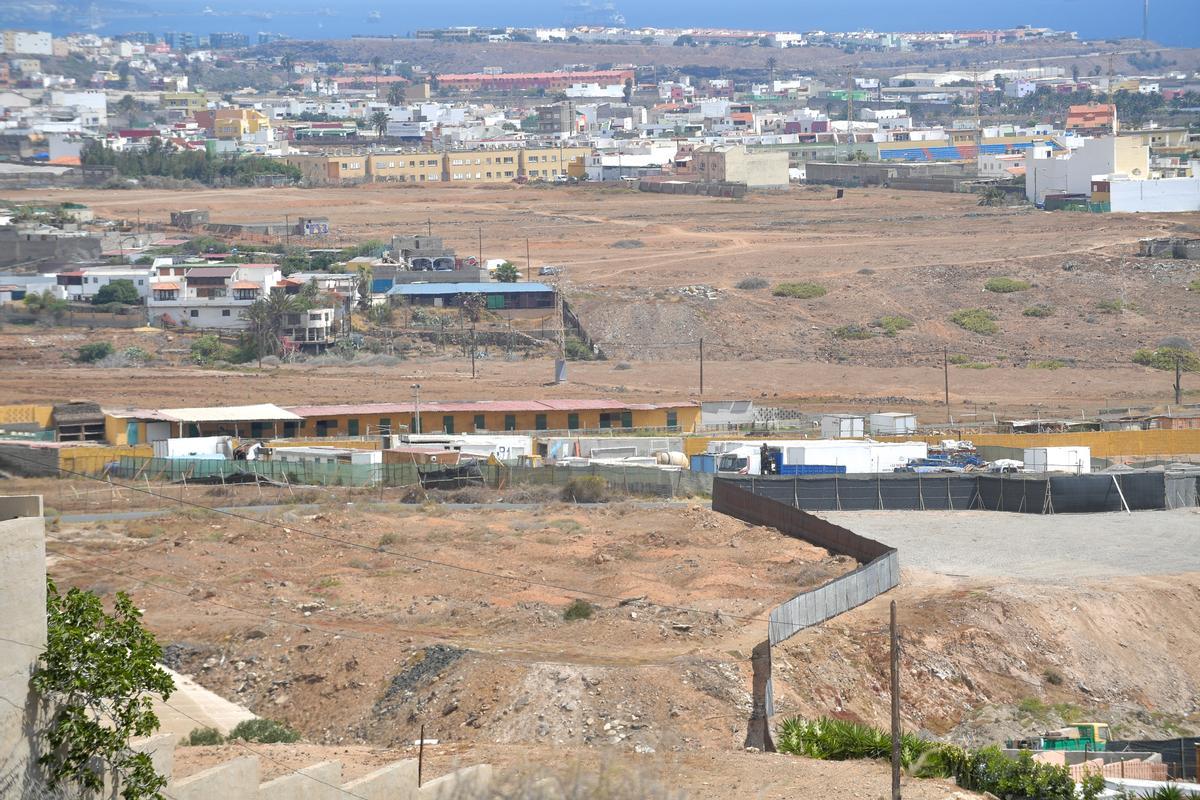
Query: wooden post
{"points": [[420, 756], [895, 646]]}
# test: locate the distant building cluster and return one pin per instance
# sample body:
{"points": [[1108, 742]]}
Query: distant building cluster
{"points": [[397, 121]]}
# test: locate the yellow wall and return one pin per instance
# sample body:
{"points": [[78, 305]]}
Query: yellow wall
{"points": [[433, 421], [1131, 157], [91, 460], [24, 415]]}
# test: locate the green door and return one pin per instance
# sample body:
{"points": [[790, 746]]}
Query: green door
{"points": [[448, 423], [131, 432], [352, 427]]}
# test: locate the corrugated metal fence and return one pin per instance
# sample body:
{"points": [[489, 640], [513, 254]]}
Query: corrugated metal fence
{"points": [[748, 500]]}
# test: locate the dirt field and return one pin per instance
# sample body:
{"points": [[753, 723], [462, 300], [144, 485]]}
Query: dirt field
{"points": [[364, 645], [358, 645], [630, 258]]}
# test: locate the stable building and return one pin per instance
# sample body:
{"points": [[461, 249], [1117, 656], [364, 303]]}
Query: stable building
{"points": [[498, 296], [381, 419]]}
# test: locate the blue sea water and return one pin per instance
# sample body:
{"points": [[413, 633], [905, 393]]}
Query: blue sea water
{"points": [[1172, 22]]}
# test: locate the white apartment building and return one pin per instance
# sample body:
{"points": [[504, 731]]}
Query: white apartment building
{"points": [[215, 297], [36, 43], [96, 278]]}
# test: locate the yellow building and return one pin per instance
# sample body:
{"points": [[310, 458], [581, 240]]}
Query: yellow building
{"points": [[322, 169], [234, 123], [494, 416], [406, 167], [482, 165], [548, 163], [187, 103]]}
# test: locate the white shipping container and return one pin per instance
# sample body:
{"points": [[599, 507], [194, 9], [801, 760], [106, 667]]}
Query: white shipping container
{"points": [[1058, 459], [893, 423], [841, 426]]}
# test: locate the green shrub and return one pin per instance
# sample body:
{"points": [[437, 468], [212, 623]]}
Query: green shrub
{"points": [[586, 489], [119, 291], [264, 731], [204, 737], [801, 291], [1050, 364], [578, 609], [1053, 677], [976, 365], [752, 283], [957, 358], [975, 320], [208, 349], [93, 352], [1165, 358], [892, 324], [1194, 286], [1006, 285], [1039, 311], [135, 355], [854, 332], [986, 770], [578, 350], [1113, 306]]}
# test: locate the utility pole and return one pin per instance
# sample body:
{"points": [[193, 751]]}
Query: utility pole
{"points": [[287, 231], [702, 366], [429, 226], [946, 378], [560, 311], [528, 263], [416, 387], [481, 247], [1179, 379], [895, 659], [1145, 20]]}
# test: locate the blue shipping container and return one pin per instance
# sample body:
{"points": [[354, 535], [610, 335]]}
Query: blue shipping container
{"points": [[703, 462], [812, 469]]}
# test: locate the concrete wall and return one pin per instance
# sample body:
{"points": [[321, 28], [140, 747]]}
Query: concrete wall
{"points": [[1165, 194], [19, 248], [23, 628]]}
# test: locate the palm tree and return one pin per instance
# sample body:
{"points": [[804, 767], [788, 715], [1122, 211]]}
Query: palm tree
{"points": [[287, 61], [379, 121], [258, 320], [395, 95], [376, 66], [771, 64]]}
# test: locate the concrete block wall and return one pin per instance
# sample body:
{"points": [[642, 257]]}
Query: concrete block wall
{"points": [[22, 637]]}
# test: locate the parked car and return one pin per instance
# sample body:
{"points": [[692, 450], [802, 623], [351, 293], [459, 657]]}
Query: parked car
{"points": [[548, 270]]}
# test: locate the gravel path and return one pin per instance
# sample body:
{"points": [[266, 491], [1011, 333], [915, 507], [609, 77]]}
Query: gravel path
{"points": [[1054, 549]]}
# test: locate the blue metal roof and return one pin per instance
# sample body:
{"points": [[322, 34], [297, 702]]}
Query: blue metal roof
{"points": [[467, 288]]}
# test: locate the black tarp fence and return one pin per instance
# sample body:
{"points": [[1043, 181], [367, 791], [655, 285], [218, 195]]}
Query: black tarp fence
{"points": [[1179, 755], [1020, 493]]}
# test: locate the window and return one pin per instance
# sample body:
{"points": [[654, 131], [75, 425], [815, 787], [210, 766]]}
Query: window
{"points": [[289, 429], [224, 312], [626, 419], [385, 424], [479, 423], [448, 423], [324, 426], [256, 430], [572, 422], [193, 313], [672, 419], [510, 422], [539, 422], [605, 420], [352, 427]]}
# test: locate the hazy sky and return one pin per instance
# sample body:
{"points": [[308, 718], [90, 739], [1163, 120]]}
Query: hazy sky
{"points": [[1174, 22]]}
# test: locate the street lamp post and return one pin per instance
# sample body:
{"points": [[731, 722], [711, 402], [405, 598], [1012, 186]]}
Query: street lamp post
{"points": [[416, 387]]}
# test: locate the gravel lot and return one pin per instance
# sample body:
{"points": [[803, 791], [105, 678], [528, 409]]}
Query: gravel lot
{"points": [[1052, 549]]}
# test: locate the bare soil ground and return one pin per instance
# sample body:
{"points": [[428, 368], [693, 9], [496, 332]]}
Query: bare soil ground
{"points": [[631, 259], [703, 775], [362, 645]]}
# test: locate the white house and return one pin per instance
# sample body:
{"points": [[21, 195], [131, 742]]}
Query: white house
{"points": [[1054, 172], [96, 278]]}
